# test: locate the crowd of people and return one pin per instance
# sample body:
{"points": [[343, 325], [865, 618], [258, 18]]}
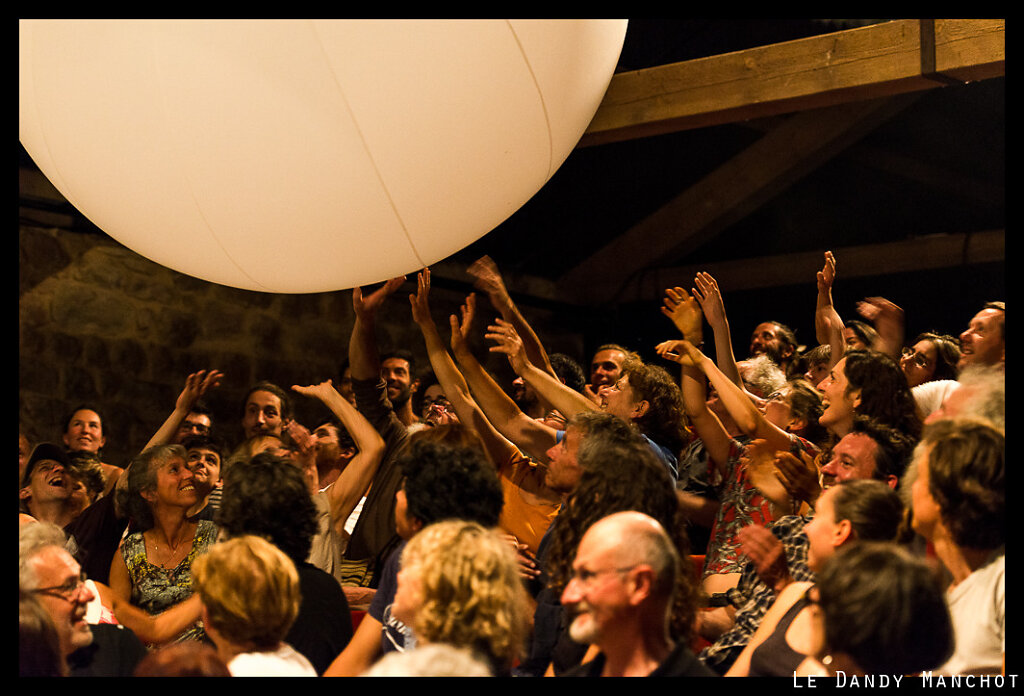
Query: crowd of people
{"points": [[807, 510]]}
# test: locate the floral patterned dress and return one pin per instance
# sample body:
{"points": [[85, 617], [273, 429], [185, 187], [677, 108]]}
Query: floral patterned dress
{"points": [[155, 589], [742, 505]]}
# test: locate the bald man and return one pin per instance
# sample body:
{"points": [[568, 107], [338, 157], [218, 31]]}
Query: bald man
{"points": [[620, 599]]}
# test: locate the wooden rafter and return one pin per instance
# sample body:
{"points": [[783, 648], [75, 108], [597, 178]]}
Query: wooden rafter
{"points": [[847, 66]]}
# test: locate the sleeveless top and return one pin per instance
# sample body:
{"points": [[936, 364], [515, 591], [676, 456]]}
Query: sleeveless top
{"points": [[774, 657], [155, 589]]}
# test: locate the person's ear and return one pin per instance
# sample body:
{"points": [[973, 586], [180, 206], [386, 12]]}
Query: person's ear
{"points": [[641, 584], [843, 533], [641, 408], [854, 396]]}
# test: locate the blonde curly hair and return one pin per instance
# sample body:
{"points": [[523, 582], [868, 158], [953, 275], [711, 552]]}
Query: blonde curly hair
{"points": [[471, 590]]}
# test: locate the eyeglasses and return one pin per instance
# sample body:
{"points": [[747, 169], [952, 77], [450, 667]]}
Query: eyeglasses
{"points": [[586, 577], [68, 591]]}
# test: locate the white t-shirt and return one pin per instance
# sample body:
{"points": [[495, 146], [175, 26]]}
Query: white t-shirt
{"points": [[283, 662], [930, 395], [978, 608]]}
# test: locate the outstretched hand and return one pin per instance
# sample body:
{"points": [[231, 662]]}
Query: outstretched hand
{"points": [[323, 390], [709, 296], [461, 326], [507, 341], [420, 301], [197, 384], [367, 306], [487, 278], [827, 274], [681, 351], [685, 313]]}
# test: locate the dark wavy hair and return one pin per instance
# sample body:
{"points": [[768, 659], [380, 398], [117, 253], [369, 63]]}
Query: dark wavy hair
{"points": [[884, 392], [967, 478], [267, 496], [665, 420], [884, 608], [620, 476], [450, 481]]}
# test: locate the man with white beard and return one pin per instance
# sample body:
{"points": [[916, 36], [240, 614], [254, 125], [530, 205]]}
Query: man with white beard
{"points": [[620, 600]]}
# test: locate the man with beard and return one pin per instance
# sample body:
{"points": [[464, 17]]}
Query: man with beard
{"points": [[775, 340], [620, 596], [396, 370], [265, 410]]}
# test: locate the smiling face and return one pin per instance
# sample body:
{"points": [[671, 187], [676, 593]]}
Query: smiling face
{"points": [[84, 432], [205, 466], [175, 485], [619, 399], [262, 414], [597, 594], [606, 367], [853, 457], [49, 482], [918, 363], [767, 340], [397, 378], [983, 342], [55, 568], [839, 401]]}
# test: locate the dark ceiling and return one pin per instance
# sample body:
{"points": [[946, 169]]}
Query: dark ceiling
{"points": [[936, 166]]}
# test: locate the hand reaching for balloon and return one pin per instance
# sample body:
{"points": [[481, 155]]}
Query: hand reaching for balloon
{"points": [[461, 326], [507, 341], [366, 306], [710, 299], [685, 313], [681, 351]]}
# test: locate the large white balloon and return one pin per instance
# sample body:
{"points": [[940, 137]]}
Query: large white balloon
{"points": [[300, 156]]}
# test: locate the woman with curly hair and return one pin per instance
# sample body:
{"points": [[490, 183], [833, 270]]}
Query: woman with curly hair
{"points": [[445, 475], [459, 585], [872, 384]]}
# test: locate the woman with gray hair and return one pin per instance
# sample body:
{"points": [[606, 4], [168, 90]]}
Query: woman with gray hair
{"points": [[152, 569]]}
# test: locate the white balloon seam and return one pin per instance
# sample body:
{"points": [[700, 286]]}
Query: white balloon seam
{"points": [[369, 152], [540, 98]]}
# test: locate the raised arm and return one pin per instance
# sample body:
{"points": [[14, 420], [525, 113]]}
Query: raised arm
{"points": [[355, 478], [489, 280], [828, 325], [747, 416], [456, 390], [888, 320], [709, 296], [363, 354], [196, 384], [565, 399], [706, 424], [530, 436]]}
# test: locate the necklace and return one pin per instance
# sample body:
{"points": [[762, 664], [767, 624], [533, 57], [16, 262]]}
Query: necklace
{"points": [[170, 553]]}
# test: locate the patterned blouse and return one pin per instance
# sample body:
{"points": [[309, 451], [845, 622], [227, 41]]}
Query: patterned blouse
{"points": [[155, 589]]}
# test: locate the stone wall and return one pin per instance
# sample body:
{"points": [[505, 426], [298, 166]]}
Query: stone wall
{"points": [[100, 324]]}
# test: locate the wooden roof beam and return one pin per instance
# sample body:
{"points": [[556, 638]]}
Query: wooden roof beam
{"points": [[853, 65]]}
